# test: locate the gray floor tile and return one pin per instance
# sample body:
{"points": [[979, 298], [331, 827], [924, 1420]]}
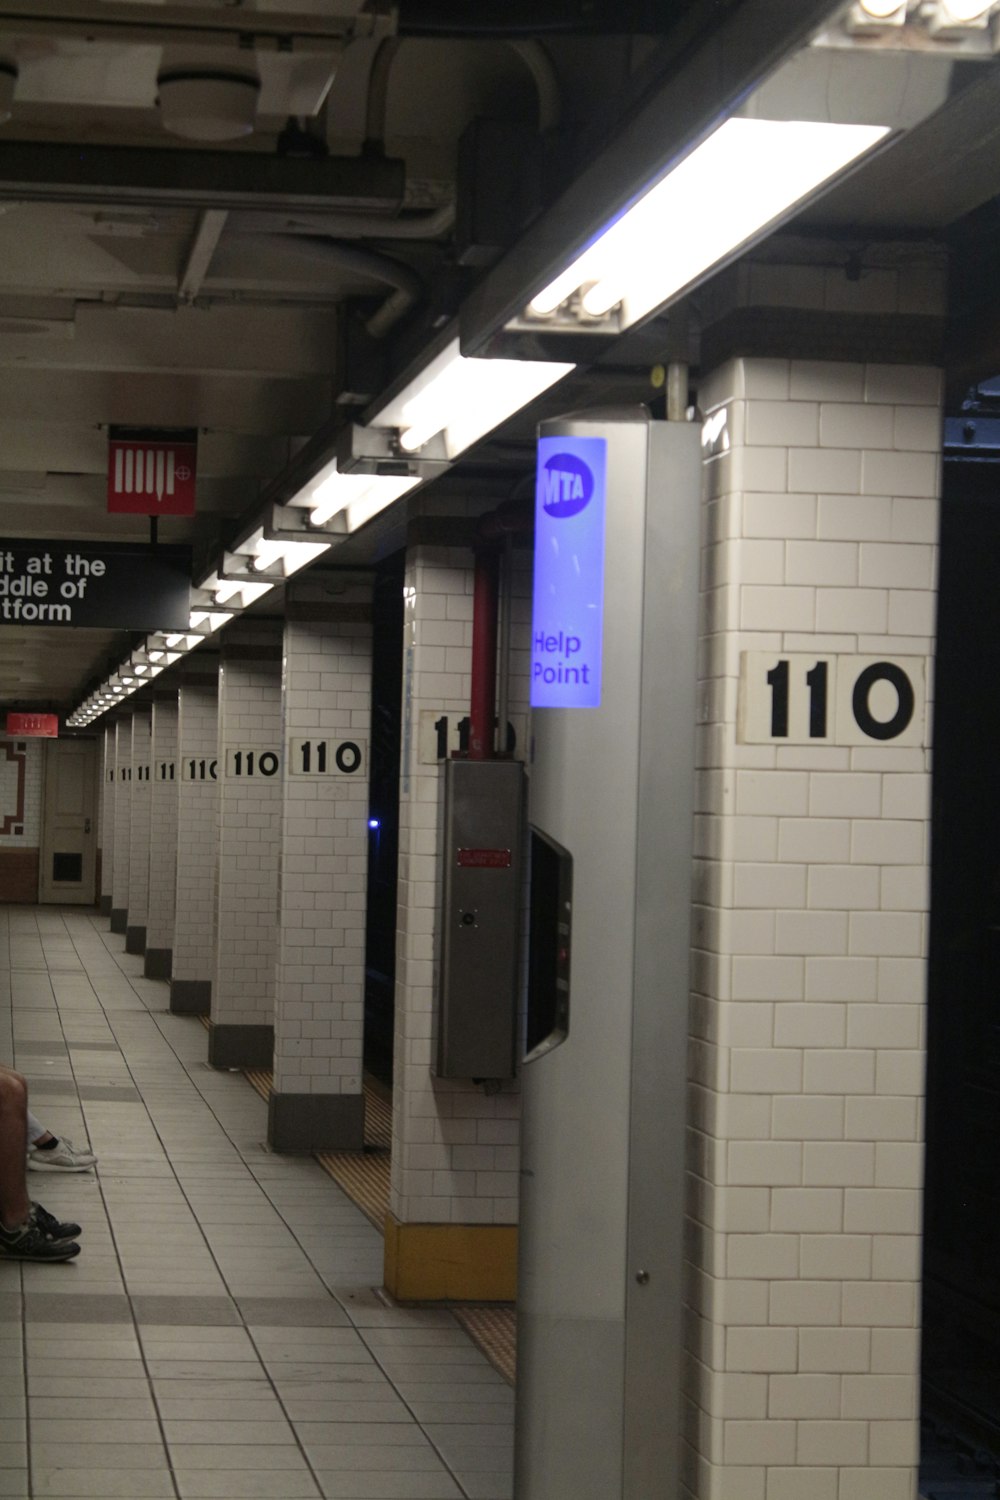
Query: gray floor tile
{"points": [[245, 1484], [76, 1307], [351, 1485], [183, 1433], [96, 1484], [250, 1278]]}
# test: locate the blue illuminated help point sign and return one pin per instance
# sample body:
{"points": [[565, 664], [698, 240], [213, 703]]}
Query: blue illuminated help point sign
{"points": [[567, 627]]}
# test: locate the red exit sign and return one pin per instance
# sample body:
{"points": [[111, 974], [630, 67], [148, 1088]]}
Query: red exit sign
{"points": [[27, 726]]}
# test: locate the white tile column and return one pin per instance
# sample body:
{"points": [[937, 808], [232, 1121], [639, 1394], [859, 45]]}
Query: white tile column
{"points": [[107, 817], [250, 754], [453, 1201], [811, 880], [197, 843], [317, 1103], [123, 818], [138, 889], [163, 791]]}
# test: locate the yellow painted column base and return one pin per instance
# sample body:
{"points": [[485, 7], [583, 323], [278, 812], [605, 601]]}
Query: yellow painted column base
{"points": [[450, 1262]]}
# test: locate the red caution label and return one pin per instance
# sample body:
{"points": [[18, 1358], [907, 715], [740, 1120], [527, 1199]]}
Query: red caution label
{"points": [[484, 859]]}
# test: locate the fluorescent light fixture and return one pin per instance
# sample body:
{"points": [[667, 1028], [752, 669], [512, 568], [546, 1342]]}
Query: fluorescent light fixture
{"points": [[292, 555], [964, 12], [464, 399], [882, 10], [361, 496], [227, 588], [208, 619], [731, 187], [174, 640]]}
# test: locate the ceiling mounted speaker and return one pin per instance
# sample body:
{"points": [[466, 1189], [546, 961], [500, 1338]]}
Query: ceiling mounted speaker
{"points": [[8, 79], [204, 106]]}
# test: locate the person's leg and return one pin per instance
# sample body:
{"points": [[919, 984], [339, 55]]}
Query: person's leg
{"points": [[15, 1205], [27, 1231], [37, 1131]]}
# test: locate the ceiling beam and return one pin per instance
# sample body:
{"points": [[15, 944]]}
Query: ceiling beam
{"points": [[48, 173]]}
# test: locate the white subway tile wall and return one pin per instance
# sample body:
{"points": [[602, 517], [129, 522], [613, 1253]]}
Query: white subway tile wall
{"points": [[455, 1149], [246, 946], [163, 789], [123, 813], [811, 900], [322, 891], [197, 834], [139, 812], [108, 811]]}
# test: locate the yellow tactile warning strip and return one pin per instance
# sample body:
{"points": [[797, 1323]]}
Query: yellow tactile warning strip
{"points": [[494, 1330], [363, 1175], [261, 1080]]}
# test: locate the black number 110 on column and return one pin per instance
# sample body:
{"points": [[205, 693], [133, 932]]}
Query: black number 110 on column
{"points": [[817, 681]]}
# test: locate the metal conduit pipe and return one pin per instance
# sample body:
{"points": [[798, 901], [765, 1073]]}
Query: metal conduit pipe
{"points": [[408, 287], [417, 226], [482, 707], [495, 533]]}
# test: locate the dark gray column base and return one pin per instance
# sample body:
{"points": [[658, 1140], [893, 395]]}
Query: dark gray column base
{"points": [[241, 1046], [119, 919], [135, 939], [159, 962], [316, 1122], [190, 997], [105, 906]]}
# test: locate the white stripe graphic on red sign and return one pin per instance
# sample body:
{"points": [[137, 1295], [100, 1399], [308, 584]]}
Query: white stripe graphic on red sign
{"points": [[145, 471]]}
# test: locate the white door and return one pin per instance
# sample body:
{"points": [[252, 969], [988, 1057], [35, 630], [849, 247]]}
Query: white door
{"points": [[69, 837]]}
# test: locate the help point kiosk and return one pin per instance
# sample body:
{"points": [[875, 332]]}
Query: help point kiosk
{"points": [[614, 640]]}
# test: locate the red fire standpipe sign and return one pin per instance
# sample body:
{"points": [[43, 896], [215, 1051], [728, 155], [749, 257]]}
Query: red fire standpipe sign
{"points": [[152, 472]]}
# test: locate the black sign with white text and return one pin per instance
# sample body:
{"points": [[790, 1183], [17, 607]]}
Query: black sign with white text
{"points": [[117, 586]]}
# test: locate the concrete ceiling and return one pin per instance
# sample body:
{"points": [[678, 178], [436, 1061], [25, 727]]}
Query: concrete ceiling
{"points": [[152, 305]]}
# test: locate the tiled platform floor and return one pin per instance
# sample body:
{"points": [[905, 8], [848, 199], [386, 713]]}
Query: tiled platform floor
{"points": [[220, 1335]]}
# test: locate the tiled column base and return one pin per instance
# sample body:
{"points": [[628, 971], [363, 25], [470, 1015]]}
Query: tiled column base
{"points": [[241, 1046], [191, 997], [105, 906], [316, 1122], [450, 1262], [159, 962], [135, 939], [119, 919]]}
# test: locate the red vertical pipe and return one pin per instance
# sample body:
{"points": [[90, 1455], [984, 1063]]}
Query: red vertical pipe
{"points": [[482, 710]]}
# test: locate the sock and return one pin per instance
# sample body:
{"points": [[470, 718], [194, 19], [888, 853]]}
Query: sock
{"points": [[47, 1145]]}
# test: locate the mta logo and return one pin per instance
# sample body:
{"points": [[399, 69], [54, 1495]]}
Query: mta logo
{"points": [[566, 484]]}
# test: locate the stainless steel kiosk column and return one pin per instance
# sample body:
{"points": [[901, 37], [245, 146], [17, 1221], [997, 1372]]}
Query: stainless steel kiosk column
{"points": [[611, 809]]}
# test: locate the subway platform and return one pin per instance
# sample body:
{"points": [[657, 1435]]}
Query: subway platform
{"points": [[222, 1333]]}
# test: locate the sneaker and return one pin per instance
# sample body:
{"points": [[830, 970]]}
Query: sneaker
{"points": [[64, 1157], [30, 1242], [53, 1227]]}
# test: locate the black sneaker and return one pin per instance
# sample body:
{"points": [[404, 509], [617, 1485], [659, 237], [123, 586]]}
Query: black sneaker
{"points": [[53, 1227], [30, 1242]]}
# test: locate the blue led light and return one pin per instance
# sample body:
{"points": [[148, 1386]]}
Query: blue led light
{"points": [[374, 823], [567, 628]]}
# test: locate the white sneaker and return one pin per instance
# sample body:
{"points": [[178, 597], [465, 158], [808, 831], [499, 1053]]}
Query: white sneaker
{"points": [[65, 1157]]}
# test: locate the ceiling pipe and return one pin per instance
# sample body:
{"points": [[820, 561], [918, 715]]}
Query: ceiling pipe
{"points": [[407, 285], [431, 225]]}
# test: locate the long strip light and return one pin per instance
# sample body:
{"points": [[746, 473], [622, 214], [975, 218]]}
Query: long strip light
{"points": [[464, 399], [747, 174], [358, 496]]}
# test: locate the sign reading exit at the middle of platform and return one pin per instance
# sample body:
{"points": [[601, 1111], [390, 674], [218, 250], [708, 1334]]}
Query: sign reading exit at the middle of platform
{"points": [[567, 626]]}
